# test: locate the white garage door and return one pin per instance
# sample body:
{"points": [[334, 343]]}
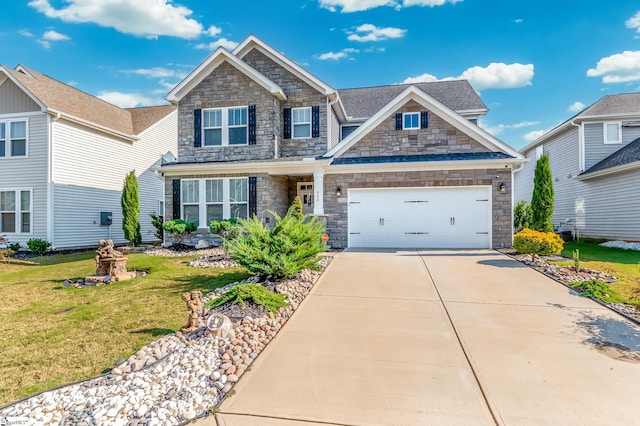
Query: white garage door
{"points": [[445, 217]]}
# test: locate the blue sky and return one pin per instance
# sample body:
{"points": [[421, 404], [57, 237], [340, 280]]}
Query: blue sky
{"points": [[535, 64]]}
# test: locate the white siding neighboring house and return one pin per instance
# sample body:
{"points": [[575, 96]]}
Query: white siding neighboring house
{"points": [[595, 164], [64, 156]]}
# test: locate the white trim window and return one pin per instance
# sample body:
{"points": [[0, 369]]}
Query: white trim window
{"points": [[13, 138], [204, 200], [410, 121], [301, 122], [15, 211], [612, 133], [225, 126]]}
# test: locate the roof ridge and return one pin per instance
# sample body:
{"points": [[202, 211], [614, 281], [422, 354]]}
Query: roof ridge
{"points": [[404, 84]]}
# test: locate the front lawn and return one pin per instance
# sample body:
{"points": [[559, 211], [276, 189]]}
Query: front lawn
{"points": [[624, 264], [54, 335]]}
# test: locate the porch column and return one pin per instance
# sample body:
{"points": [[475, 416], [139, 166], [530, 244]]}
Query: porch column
{"points": [[318, 187]]}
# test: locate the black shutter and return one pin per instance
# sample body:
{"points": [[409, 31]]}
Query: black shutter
{"points": [[253, 196], [399, 121], [197, 127], [176, 199], [315, 122], [287, 123], [424, 119], [252, 124]]}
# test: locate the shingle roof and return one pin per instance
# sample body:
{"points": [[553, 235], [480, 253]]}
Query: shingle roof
{"points": [[363, 102], [629, 153], [61, 97], [419, 158], [143, 117], [626, 103]]}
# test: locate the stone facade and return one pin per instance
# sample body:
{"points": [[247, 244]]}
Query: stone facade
{"points": [[439, 138], [299, 94], [336, 208]]}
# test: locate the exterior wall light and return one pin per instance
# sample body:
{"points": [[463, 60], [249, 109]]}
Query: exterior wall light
{"points": [[502, 188], [338, 192]]}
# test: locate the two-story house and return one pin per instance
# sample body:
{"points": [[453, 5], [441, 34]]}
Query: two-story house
{"points": [[388, 166], [595, 165], [64, 156]]}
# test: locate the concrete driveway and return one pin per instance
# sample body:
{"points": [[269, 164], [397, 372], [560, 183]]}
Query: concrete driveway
{"points": [[441, 337]]}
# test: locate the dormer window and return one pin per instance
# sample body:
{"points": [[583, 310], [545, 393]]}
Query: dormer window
{"points": [[410, 121], [612, 133]]}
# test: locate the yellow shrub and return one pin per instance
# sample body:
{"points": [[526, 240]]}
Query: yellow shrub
{"points": [[537, 243]]}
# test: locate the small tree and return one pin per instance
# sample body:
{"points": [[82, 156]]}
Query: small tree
{"points": [[130, 202], [297, 207], [537, 243], [521, 216], [157, 221], [542, 199]]}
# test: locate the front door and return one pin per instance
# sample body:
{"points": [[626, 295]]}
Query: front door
{"points": [[305, 192]]}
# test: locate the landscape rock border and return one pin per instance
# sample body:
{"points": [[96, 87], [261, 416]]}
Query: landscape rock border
{"points": [[174, 379]]}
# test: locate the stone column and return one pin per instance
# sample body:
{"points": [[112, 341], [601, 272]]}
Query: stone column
{"points": [[318, 187]]}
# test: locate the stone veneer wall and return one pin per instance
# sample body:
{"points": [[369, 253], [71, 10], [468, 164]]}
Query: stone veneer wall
{"points": [[299, 94], [439, 138], [228, 87], [336, 208], [272, 194]]}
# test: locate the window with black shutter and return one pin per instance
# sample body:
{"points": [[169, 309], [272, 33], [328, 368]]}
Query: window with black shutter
{"points": [[252, 125], [287, 123], [253, 196], [197, 127], [424, 119], [176, 198], [399, 121], [315, 122]]}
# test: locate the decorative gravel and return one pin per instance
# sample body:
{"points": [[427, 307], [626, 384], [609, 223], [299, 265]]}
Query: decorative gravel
{"points": [[622, 244], [174, 379]]}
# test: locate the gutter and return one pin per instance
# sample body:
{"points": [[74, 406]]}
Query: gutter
{"points": [[611, 170], [104, 129]]}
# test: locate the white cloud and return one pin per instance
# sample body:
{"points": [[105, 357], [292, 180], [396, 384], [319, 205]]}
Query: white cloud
{"points": [[499, 128], [214, 31], [618, 68], [634, 22], [369, 32], [52, 35], [347, 6], [336, 56], [532, 136], [493, 76], [141, 17], [44, 43], [499, 76], [576, 106], [227, 44], [128, 100], [424, 78], [156, 72], [518, 21], [25, 33]]}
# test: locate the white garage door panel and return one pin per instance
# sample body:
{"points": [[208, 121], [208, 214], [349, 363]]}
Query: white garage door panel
{"points": [[451, 217]]}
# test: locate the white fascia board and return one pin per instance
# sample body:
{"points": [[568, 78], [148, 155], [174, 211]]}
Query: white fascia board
{"points": [[609, 171], [300, 167], [428, 102], [8, 75], [252, 42], [466, 112], [219, 56], [423, 166]]}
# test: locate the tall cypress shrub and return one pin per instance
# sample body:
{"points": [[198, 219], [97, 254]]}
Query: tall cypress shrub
{"points": [[130, 202], [542, 200]]}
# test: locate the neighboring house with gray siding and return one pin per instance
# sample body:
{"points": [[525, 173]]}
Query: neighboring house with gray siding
{"points": [[595, 164], [388, 166], [64, 156]]}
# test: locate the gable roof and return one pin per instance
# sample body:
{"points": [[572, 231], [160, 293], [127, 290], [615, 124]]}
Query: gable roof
{"points": [[610, 107], [623, 159], [428, 102], [253, 42], [144, 117], [458, 95], [213, 61], [55, 97]]}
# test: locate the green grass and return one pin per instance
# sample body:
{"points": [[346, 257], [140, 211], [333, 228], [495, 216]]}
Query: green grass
{"points": [[52, 335], [624, 264]]}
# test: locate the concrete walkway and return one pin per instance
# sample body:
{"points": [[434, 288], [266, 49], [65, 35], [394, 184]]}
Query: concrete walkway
{"points": [[441, 337]]}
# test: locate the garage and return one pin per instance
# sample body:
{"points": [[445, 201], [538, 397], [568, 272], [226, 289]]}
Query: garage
{"points": [[442, 217]]}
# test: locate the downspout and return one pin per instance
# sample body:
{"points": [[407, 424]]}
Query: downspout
{"points": [[581, 160], [50, 183]]}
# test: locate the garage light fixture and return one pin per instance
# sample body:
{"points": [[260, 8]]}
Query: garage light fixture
{"points": [[502, 188], [338, 192]]}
